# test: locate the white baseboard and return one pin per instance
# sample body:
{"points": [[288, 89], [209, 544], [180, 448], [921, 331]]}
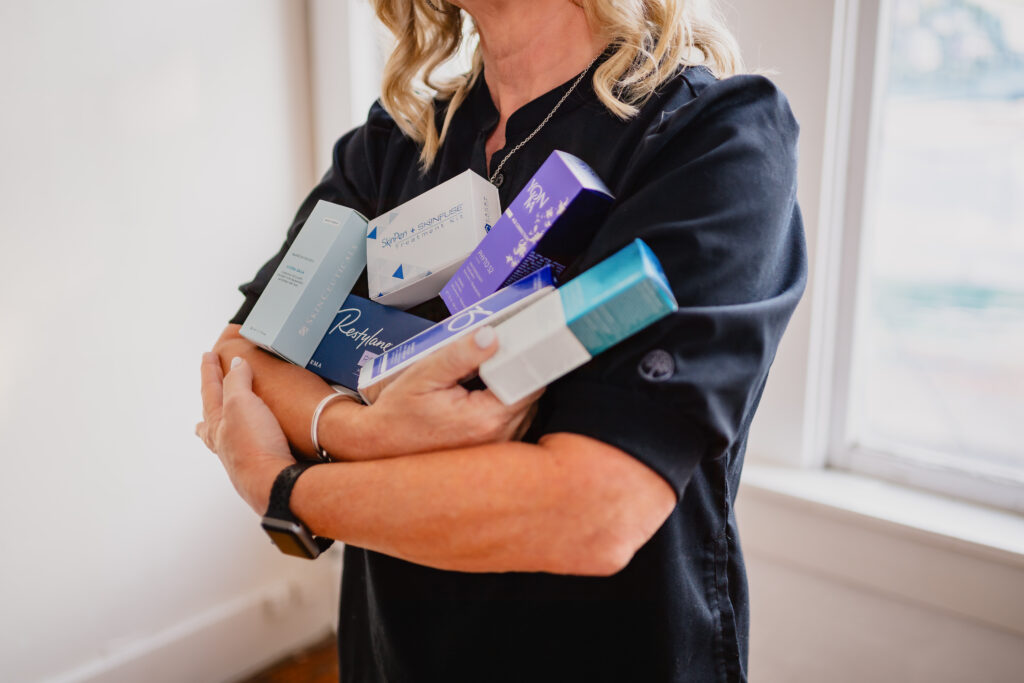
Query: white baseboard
{"points": [[228, 642]]}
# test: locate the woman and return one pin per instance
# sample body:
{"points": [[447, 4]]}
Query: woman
{"points": [[602, 545]]}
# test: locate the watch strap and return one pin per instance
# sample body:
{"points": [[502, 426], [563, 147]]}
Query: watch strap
{"points": [[280, 500]]}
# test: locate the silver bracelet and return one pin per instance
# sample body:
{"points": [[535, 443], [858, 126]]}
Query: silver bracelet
{"points": [[339, 392]]}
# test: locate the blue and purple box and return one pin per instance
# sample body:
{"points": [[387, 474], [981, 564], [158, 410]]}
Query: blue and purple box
{"points": [[361, 331], [548, 224], [491, 310]]}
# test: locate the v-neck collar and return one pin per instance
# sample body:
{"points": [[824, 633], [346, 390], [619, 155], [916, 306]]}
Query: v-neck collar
{"points": [[527, 117]]}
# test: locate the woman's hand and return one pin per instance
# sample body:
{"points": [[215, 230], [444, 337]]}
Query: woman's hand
{"points": [[241, 430], [426, 409], [423, 409]]}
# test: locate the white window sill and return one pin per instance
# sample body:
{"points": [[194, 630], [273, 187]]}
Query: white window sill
{"points": [[946, 554]]}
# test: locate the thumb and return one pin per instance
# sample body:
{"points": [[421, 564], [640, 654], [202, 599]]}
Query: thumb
{"points": [[455, 362], [239, 378]]}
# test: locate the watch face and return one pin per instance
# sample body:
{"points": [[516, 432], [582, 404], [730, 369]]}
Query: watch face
{"points": [[290, 538]]}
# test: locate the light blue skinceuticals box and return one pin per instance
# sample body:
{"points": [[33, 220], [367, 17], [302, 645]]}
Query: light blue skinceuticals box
{"points": [[564, 329], [299, 303]]}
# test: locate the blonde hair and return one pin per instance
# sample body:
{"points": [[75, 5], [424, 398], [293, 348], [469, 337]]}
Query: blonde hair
{"points": [[649, 40]]}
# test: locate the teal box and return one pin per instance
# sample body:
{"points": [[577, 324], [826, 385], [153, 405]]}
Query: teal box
{"points": [[299, 303], [561, 331], [617, 298]]}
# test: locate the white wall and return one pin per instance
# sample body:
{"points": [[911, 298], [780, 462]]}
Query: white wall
{"points": [[152, 155], [347, 47]]}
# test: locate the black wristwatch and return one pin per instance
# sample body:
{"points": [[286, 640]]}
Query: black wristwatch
{"points": [[287, 531]]}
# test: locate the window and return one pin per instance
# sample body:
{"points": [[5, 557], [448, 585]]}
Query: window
{"points": [[935, 385]]}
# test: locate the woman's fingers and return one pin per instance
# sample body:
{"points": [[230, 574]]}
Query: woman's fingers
{"points": [[238, 381], [249, 428], [212, 392], [212, 387], [446, 367]]}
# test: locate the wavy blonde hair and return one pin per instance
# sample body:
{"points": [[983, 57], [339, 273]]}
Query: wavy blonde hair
{"points": [[649, 40]]}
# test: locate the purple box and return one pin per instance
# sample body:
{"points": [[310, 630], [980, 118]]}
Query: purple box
{"points": [[547, 224]]}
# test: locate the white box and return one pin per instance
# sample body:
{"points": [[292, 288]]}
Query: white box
{"points": [[415, 248], [488, 311], [553, 336]]}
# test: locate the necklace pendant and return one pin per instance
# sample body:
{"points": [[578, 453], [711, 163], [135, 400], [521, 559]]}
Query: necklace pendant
{"points": [[497, 179]]}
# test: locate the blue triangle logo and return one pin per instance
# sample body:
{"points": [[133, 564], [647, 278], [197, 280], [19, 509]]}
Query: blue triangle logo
{"points": [[372, 235], [398, 273]]}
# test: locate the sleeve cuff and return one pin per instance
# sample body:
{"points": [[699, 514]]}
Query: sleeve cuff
{"points": [[243, 312], [650, 431]]}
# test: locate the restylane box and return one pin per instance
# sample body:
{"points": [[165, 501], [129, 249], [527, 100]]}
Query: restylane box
{"points": [[548, 223], [415, 248], [490, 310], [321, 266], [566, 328], [361, 331]]}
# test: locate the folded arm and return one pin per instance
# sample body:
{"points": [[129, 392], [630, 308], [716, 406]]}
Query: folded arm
{"points": [[292, 394], [569, 504], [424, 409]]}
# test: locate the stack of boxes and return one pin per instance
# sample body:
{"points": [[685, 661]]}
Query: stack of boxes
{"points": [[547, 224], [488, 267]]}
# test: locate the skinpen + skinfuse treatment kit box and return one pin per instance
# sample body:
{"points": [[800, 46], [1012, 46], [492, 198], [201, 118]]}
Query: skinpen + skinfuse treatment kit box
{"points": [[566, 328], [416, 247], [323, 263], [490, 310], [361, 331], [548, 223]]}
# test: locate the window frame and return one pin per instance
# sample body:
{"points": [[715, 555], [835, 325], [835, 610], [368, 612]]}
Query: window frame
{"points": [[861, 39]]}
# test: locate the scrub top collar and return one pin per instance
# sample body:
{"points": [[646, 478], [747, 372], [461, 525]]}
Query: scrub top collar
{"points": [[524, 120]]}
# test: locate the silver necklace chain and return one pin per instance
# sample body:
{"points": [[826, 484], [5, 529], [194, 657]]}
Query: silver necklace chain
{"points": [[579, 79]]}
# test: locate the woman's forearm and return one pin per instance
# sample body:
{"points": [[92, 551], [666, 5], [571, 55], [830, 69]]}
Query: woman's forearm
{"points": [[425, 409], [571, 505], [292, 394]]}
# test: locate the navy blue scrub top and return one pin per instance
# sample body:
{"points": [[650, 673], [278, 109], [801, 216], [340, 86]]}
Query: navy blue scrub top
{"points": [[706, 175]]}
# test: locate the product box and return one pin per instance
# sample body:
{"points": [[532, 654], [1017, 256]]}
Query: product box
{"points": [[491, 310], [361, 331], [415, 248], [321, 266], [548, 223], [564, 329]]}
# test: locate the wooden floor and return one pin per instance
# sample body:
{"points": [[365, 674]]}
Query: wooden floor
{"points": [[316, 664]]}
